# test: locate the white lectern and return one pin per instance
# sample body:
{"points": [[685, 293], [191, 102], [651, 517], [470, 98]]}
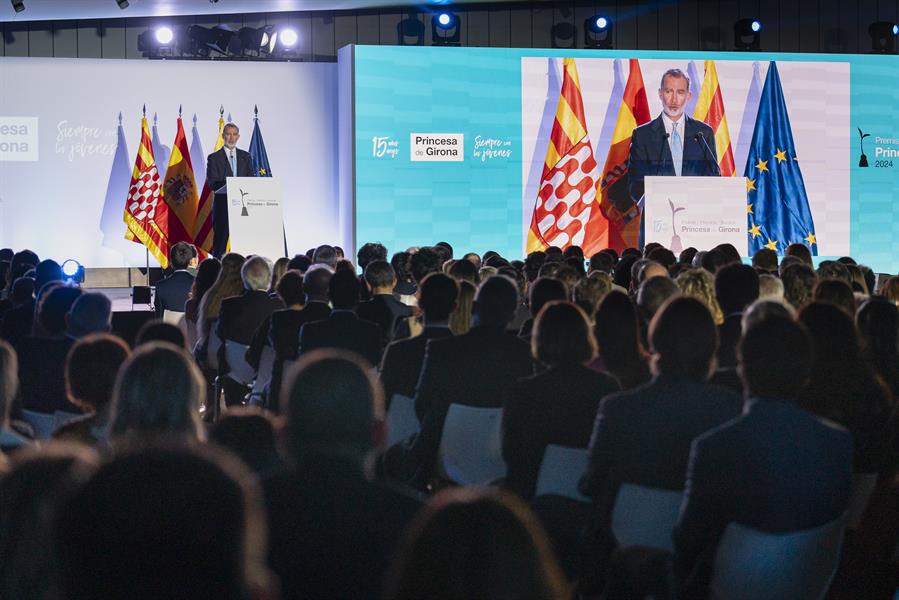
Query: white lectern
{"points": [[255, 216], [701, 212]]}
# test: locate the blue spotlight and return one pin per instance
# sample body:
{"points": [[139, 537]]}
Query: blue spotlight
{"points": [[602, 23], [446, 20], [445, 29], [756, 26], [895, 29], [73, 271]]}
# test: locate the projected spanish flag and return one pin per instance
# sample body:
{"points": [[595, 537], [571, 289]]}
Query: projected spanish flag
{"points": [[710, 110]]}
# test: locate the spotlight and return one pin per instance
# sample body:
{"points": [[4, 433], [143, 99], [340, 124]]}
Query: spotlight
{"points": [[598, 32], [445, 29], [883, 37], [18, 5], [288, 37], [746, 34], [156, 43], [73, 271], [123, 4], [164, 35], [200, 40], [256, 40]]}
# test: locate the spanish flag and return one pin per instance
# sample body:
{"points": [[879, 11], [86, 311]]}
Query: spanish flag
{"points": [[634, 111], [180, 190], [710, 110], [203, 223], [145, 216], [567, 194]]}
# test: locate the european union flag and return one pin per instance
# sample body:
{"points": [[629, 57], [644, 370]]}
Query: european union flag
{"points": [[778, 211], [257, 151]]}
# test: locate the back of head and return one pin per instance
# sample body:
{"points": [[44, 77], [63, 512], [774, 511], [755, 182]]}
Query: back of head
{"points": [[663, 256], [345, 265], [128, 531], [256, 274], [800, 251], [699, 284], [770, 286], [207, 273], [621, 274], [712, 260], [436, 556], [180, 255], [798, 280], [617, 330], [602, 261], [326, 255], [300, 262], [648, 248], [729, 252], [654, 292], [9, 380], [766, 260], [543, 290], [562, 335], [334, 404], [832, 269], [344, 290], [464, 270], [400, 263], [158, 330], [687, 255], [158, 393], [91, 370], [54, 306], [532, 264], [736, 287], [445, 249], [836, 292], [380, 275], [48, 270], [249, 433], [763, 308], [290, 288], [833, 334], [496, 301], [316, 283], [22, 290], [369, 253], [878, 322], [590, 290], [775, 359], [437, 296], [423, 262], [684, 339], [90, 313]]}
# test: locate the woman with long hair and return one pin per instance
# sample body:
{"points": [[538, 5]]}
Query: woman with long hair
{"points": [[207, 273], [227, 284], [617, 334]]}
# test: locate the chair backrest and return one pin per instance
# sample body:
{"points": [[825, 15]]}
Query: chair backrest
{"points": [[62, 417], [173, 317], [471, 447], [43, 424], [212, 348], [560, 472], [259, 394], [797, 565], [239, 370], [863, 485], [401, 420], [645, 516]]}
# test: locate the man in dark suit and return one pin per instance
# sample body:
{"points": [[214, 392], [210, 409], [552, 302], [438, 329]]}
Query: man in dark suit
{"points": [[332, 530], [18, 321], [343, 329], [402, 360], [171, 292], [228, 161], [672, 144], [776, 468], [383, 308], [241, 315]]}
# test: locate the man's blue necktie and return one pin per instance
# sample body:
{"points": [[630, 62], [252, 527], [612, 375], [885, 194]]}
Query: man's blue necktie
{"points": [[677, 149]]}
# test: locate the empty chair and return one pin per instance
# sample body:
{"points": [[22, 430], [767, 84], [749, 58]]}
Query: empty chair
{"points": [[238, 368], [560, 472], [471, 446], [173, 317], [43, 424], [863, 485], [645, 516], [259, 393], [62, 417], [797, 565], [401, 420]]}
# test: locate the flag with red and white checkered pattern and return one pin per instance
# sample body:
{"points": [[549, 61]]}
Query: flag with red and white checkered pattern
{"points": [[146, 215]]}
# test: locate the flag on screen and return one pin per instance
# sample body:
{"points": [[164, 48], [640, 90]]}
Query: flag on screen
{"points": [[634, 111], [778, 212], [145, 216], [179, 190], [567, 192], [710, 110], [203, 223]]}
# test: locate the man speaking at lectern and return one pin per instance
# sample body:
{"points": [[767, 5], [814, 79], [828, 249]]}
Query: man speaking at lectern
{"points": [[673, 144], [229, 161]]}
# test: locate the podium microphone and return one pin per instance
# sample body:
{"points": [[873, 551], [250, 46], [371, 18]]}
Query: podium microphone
{"points": [[708, 150], [662, 148]]}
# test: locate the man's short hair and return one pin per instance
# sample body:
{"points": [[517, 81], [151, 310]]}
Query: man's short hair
{"points": [[300, 262], [798, 280], [832, 269], [22, 290], [54, 305], [379, 274], [316, 282], [800, 251], [91, 369], [180, 255], [343, 290], [290, 288], [764, 308], [447, 246], [663, 256], [765, 259], [543, 290], [496, 301], [836, 292], [532, 264], [684, 339], [423, 262], [230, 124], [654, 292], [437, 296], [591, 289], [325, 254], [602, 262], [369, 253], [770, 286], [157, 330], [90, 313], [464, 270], [677, 74], [562, 335], [775, 358], [736, 287], [256, 273]]}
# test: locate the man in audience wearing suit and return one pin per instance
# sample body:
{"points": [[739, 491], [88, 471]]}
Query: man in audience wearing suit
{"points": [[228, 161], [332, 531], [643, 436], [171, 292], [383, 308], [343, 329], [736, 287], [402, 360], [241, 315], [775, 468]]}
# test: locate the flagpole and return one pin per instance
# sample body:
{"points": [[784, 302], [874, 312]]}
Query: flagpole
{"points": [[147, 250]]}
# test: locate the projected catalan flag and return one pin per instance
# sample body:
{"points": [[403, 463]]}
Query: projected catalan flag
{"points": [[710, 110]]}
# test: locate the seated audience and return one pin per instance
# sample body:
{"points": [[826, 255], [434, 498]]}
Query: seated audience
{"points": [[617, 332], [833, 269], [250, 434], [764, 261], [325, 255], [878, 320], [736, 287], [278, 269], [798, 280], [890, 289], [459, 321], [514, 559], [91, 370], [383, 308], [650, 297], [800, 251], [591, 289], [771, 286], [700, 284], [290, 291], [366, 255], [18, 320], [333, 530], [157, 330], [540, 292], [207, 273], [749, 472], [171, 293], [465, 270], [558, 405], [227, 284], [90, 313], [761, 309], [836, 292], [10, 439], [405, 286]]}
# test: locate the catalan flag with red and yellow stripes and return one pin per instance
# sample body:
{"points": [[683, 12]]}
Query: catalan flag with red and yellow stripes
{"points": [[146, 216], [634, 111], [566, 199], [180, 191], [710, 110], [203, 223]]}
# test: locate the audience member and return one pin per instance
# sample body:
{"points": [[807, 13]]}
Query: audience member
{"points": [[653, 293], [290, 291], [602, 262], [207, 274], [712, 260], [90, 313], [369, 253], [541, 291], [300, 262], [736, 287], [765, 261], [729, 252], [687, 255], [800, 251], [700, 284], [18, 320], [798, 280], [464, 270], [621, 274], [878, 322], [762, 309], [278, 270], [589, 291], [833, 269], [836, 292], [664, 257], [172, 292], [10, 439], [405, 286], [617, 332], [770, 286], [228, 283], [460, 318], [383, 309], [422, 263], [473, 258], [857, 280], [250, 434], [46, 271], [157, 330], [325, 255]]}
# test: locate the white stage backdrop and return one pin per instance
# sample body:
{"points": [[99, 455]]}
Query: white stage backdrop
{"points": [[67, 199]]}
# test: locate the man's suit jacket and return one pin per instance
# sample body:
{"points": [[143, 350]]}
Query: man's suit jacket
{"points": [[171, 292], [401, 365], [384, 310], [241, 315], [650, 154], [643, 436], [775, 468], [557, 406], [344, 330], [42, 364], [218, 167], [17, 322]]}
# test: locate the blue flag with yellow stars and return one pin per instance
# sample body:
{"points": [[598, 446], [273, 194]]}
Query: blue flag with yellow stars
{"points": [[258, 153], [778, 210]]}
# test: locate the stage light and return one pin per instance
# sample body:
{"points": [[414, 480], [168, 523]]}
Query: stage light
{"points": [[598, 32], [157, 43], [123, 4], [288, 37], [73, 271], [18, 5], [164, 35], [883, 37], [746, 34], [256, 40], [445, 29], [200, 40]]}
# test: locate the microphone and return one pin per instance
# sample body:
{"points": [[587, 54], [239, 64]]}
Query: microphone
{"points": [[708, 150], [662, 148]]}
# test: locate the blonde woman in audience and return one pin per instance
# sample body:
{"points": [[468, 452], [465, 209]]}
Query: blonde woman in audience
{"points": [[771, 287], [278, 270], [590, 290], [700, 284], [460, 318], [227, 284]]}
